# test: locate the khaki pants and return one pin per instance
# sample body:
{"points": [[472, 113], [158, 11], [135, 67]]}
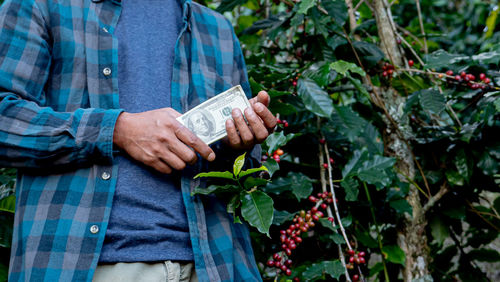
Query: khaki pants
{"points": [[147, 272]]}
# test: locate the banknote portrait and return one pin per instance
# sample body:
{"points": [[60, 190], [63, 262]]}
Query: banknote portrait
{"points": [[201, 123]]}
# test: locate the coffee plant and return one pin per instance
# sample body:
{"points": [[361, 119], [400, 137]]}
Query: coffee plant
{"points": [[389, 110], [385, 161]]}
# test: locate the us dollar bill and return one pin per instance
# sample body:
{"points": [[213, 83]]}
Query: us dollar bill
{"points": [[208, 119]]}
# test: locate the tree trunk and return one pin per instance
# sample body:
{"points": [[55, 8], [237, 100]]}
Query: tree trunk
{"points": [[411, 236]]}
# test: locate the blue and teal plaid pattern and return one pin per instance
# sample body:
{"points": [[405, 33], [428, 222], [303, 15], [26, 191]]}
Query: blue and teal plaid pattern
{"points": [[58, 107]]}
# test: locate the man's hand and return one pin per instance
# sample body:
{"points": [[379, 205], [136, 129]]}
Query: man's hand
{"points": [[261, 122], [157, 139]]}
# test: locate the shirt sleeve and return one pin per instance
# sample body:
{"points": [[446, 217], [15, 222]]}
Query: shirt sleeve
{"points": [[33, 135]]}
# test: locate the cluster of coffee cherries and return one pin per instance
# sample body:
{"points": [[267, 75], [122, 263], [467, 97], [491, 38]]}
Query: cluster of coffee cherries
{"points": [[468, 79], [387, 70], [301, 223], [283, 122], [294, 80], [355, 258], [275, 155], [325, 165]]}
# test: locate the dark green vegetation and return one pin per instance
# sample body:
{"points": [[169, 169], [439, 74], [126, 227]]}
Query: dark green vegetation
{"points": [[415, 151]]}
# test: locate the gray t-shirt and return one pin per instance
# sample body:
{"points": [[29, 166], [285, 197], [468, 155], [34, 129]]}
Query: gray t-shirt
{"points": [[148, 220]]}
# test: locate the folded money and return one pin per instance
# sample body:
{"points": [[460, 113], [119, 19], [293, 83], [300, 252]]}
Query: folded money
{"points": [[208, 119]]}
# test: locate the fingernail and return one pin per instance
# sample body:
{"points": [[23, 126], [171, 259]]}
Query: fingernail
{"points": [[211, 157], [250, 112], [236, 112], [259, 107]]}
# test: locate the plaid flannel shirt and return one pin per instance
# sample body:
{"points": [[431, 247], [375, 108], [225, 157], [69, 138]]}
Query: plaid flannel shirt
{"points": [[58, 108]]}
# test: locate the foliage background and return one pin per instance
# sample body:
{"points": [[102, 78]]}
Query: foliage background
{"points": [[304, 54], [450, 129]]}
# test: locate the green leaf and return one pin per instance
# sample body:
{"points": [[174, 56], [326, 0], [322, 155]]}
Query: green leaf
{"points": [[6, 229], [486, 255], [488, 164], [439, 230], [232, 205], [215, 189], [320, 73], [301, 185], [238, 165], [487, 58], [229, 5], [351, 187], [295, 182], [332, 268], [407, 83], [378, 267], [454, 177], [281, 217], [394, 254], [305, 5], [366, 239], [346, 221], [348, 123], [326, 223], [355, 162], [432, 101], [337, 238], [314, 98], [252, 182], [343, 67], [216, 174], [257, 209], [462, 164], [369, 53], [275, 141], [442, 59], [401, 206], [272, 166], [8, 204], [252, 170], [497, 104], [359, 86], [457, 212], [373, 171], [337, 9]]}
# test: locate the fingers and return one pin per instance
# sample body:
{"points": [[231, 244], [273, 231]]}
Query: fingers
{"points": [[246, 135], [191, 140], [258, 128], [265, 115], [263, 98], [232, 134], [172, 160], [161, 167]]}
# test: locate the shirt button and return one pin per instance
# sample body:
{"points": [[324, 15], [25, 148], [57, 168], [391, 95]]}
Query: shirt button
{"points": [[105, 175], [106, 71], [94, 229]]}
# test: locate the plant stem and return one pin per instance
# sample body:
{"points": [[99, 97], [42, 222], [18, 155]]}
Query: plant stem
{"points": [[379, 239], [329, 210]]}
